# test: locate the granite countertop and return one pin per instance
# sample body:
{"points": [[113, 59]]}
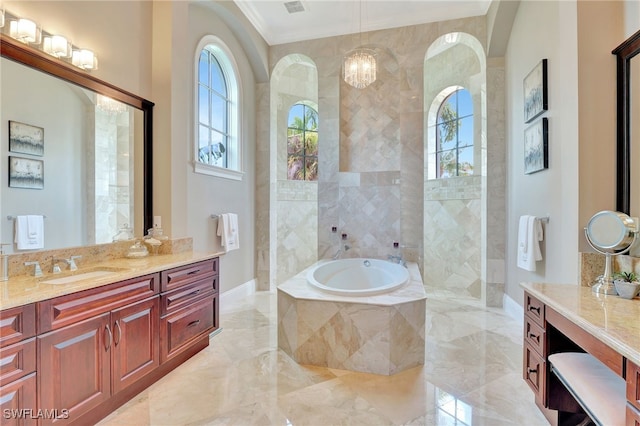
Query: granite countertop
{"points": [[22, 290], [611, 319]]}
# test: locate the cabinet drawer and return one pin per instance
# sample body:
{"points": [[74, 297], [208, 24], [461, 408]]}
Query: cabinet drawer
{"points": [[69, 309], [534, 335], [17, 324], [17, 360], [534, 372], [18, 402], [534, 309], [183, 296], [177, 329], [185, 275], [633, 384]]}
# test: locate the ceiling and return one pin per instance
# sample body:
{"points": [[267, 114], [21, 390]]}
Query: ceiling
{"points": [[326, 18]]}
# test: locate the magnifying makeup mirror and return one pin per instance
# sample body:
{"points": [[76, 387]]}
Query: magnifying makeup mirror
{"points": [[609, 233]]}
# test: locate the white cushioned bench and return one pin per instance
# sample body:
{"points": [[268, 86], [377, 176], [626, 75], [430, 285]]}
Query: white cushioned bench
{"points": [[599, 391]]}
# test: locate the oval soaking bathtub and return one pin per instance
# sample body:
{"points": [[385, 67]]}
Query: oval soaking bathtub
{"points": [[358, 277]]}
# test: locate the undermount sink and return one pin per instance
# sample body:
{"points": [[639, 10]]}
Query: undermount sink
{"points": [[90, 274]]}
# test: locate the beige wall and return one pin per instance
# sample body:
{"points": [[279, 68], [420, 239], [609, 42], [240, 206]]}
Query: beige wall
{"points": [[544, 30], [577, 38], [600, 29]]}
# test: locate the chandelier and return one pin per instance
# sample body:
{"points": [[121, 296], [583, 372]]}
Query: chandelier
{"points": [[110, 106], [359, 69], [359, 65]]}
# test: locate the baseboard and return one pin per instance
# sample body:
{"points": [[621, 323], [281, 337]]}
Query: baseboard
{"points": [[238, 293], [512, 308]]}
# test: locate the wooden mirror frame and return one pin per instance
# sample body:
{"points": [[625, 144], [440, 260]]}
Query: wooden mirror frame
{"points": [[34, 58], [624, 53]]}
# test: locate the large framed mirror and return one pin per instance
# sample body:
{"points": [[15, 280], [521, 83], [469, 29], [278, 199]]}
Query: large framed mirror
{"points": [[628, 126], [95, 150]]}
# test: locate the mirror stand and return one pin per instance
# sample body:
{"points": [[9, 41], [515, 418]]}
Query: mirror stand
{"points": [[604, 283], [610, 233]]}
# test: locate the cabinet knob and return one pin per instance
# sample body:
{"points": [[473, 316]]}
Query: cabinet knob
{"points": [[534, 308], [192, 323], [532, 371], [533, 336]]}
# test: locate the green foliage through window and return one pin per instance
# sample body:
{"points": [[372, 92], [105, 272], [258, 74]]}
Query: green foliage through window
{"points": [[454, 135], [302, 143]]}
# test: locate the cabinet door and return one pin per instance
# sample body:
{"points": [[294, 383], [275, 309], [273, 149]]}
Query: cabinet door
{"points": [[136, 346], [18, 402], [74, 366]]}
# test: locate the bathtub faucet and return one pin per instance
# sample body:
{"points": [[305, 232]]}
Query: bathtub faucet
{"points": [[344, 248], [397, 259]]}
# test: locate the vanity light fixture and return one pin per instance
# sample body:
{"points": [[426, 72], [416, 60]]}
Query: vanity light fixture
{"points": [[25, 30], [359, 66], [85, 59], [28, 32], [57, 46]]}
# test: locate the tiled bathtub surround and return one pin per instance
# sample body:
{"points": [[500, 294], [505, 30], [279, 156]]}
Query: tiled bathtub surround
{"points": [[452, 237], [381, 334], [383, 131], [297, 227], [369, 211]]}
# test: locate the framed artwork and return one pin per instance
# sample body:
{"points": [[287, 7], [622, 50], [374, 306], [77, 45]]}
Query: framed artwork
{"points": [[26, 173], [536, 146], [535, 92], [26, 139]]}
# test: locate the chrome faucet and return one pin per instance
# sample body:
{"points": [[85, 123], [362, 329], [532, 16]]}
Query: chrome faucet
{"points": [[341, 250], [71, 262], [397, 258], [37, 271]]}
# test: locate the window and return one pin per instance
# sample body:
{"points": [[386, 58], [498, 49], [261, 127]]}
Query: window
{"points": [[454, 135], [302, 143], [218, 148]]}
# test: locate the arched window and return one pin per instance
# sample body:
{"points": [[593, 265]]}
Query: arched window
{"points": [[302, 143], [454, 135], [218, 150]]}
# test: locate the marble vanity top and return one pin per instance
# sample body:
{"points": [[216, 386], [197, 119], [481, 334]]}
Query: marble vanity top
{"points": [[611, 319], [22, 290]]}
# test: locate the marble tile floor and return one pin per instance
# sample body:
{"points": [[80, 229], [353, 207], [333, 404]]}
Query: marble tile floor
{"points": [[471, 376]]}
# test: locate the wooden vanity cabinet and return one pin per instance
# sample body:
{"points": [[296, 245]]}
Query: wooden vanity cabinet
{"points": [[190, 301], [83, 364], [75, 358], [546, 331], [633, 394], [534, 348], [18, 393]]}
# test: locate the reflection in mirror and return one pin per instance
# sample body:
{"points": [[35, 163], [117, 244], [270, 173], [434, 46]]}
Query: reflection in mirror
{"points": [[96, 155], [634, 136], [627, 125], [89, 158]]}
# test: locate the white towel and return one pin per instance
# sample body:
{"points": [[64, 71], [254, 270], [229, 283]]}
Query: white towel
{"points": [[228, 231], [29, 232], [529, 236]]}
